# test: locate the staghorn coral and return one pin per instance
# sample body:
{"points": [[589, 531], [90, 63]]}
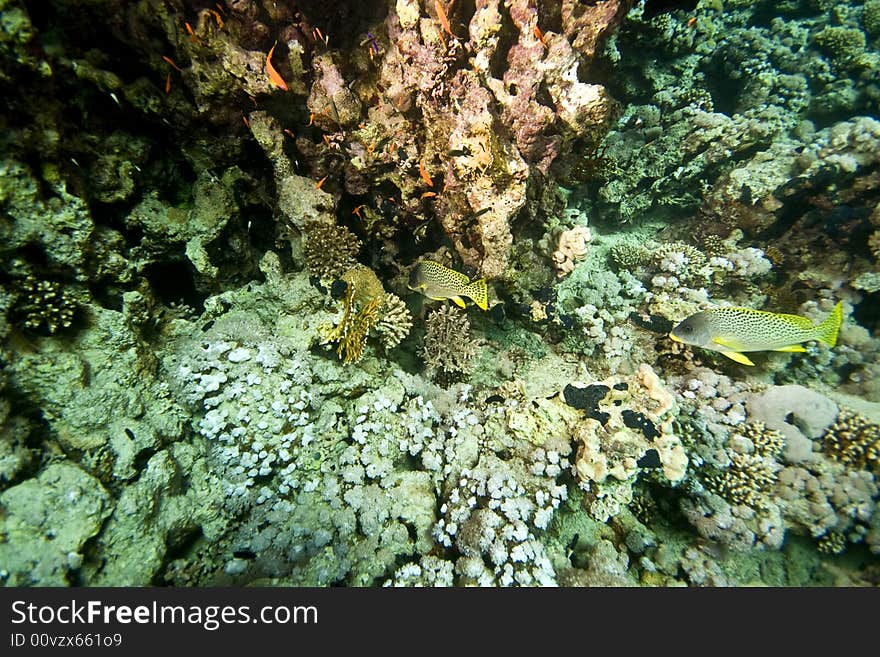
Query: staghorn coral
{"points": [[329, 250], [629, 255], [363, 304], [449, 349], [854, 441]]}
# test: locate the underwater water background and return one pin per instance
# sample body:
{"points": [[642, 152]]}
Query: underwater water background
{"points": [[440, 293]]}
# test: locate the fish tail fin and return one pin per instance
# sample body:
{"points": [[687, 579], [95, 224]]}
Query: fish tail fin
{"points": [[479, 292], [828, 329]]}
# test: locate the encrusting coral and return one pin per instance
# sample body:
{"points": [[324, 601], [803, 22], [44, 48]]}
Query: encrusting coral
{"points": [[628, 427]]}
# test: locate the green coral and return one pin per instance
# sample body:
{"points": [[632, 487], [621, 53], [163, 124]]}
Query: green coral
{"points": [[871, 17], [842, 44]]}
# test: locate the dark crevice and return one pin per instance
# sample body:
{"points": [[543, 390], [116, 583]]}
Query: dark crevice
{"points": [[174, 282]]}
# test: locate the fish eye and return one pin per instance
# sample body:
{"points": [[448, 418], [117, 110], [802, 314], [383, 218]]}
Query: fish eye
{"points": [[687, 328]]}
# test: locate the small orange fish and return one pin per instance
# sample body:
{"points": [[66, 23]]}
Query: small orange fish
{"points": [[692, 21], [317, 35], [425, 176], [170, 62], [168, 84], [274, 77], [289, 133], [247, 124], [320, 183], [540, 36], [444, 19], [429, 194]]}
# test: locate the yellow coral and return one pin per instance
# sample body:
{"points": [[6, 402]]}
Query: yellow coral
{"points": [[362, 305]]}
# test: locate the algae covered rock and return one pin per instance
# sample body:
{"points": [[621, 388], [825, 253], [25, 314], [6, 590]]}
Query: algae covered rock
{"points": [[47, 522]]}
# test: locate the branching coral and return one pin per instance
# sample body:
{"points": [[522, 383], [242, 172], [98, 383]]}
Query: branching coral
{"points": [[842, 44], [449, 348], [43, 306], [396, 321], [854, 441], [752, 451]]}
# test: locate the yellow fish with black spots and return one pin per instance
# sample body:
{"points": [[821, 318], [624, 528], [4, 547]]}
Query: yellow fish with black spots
{"points": [[732, 331], [438, 282]]}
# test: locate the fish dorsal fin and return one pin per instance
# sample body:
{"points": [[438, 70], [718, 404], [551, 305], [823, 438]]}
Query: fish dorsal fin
{"points": [[738, 357], [792, 347]]}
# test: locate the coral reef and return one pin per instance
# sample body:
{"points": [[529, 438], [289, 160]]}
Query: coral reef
{"points": [[329, 250], [213, 371]]}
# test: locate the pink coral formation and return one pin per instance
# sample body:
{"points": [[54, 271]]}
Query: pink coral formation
{"points": [[572, 246]]}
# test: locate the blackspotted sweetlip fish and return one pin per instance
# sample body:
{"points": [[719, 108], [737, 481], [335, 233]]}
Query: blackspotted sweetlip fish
{"points": [[438, 282], [732, 331]]}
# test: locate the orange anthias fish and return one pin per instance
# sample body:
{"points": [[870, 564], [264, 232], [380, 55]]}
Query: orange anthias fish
{"points": [[424, 175], [444, 19], [274, 76]]}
